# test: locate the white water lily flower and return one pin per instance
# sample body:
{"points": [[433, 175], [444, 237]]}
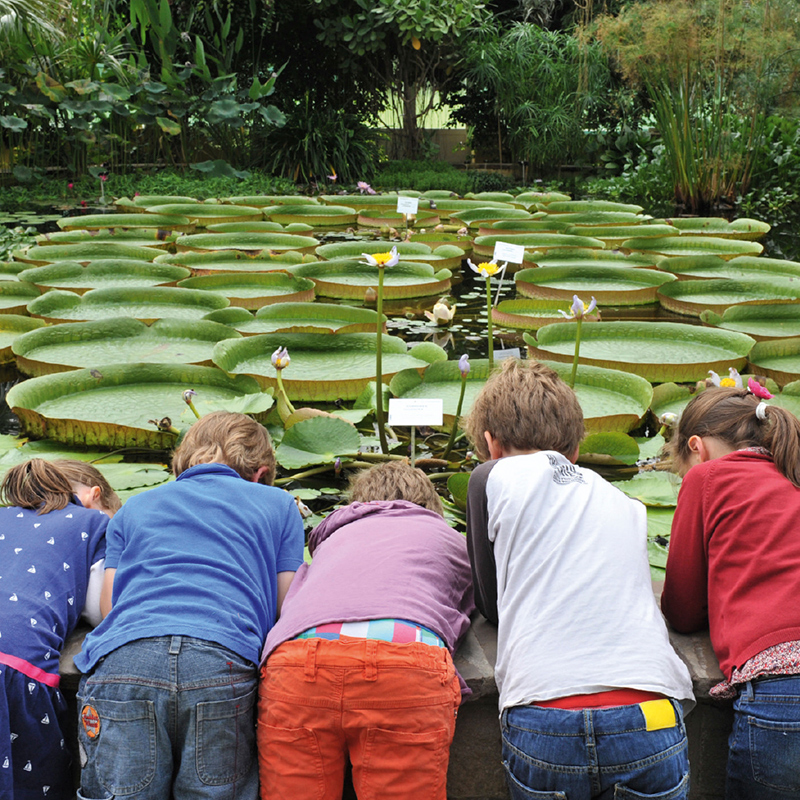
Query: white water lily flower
{"points": [[485, 268], [463, 365], [382, 259], [442, 313]]}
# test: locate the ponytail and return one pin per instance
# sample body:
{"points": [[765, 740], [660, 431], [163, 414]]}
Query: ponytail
{"points": [[738, 418], [36, 484]]}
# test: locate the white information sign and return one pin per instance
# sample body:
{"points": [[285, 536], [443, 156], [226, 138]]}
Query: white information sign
{"points": [[407, 205], [512, 253], [511, 352], [413, 412]]}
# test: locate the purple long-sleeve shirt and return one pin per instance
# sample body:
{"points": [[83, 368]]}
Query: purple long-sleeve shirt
{"points": [[381, 560]]}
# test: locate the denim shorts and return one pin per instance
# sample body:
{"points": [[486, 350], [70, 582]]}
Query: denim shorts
{"points": [[764, 746], [603, 753], [168, 716]]}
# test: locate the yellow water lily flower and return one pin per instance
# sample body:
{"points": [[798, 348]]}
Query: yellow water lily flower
{"points": [[486, 268]]}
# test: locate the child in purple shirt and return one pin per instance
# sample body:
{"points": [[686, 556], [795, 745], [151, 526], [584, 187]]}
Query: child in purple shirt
{"points": [[360, 661]]}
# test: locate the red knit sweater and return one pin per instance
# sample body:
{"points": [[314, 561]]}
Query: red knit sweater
{"points": [[734, 557]]}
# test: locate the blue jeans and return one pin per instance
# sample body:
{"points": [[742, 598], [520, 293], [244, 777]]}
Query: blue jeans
{"points": [[169, 717], [764, 746], [556, 754]]}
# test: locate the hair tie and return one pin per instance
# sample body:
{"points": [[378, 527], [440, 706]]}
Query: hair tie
{"points": [[761, 411]]}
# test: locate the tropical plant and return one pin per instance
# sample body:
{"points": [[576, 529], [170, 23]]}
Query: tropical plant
{"points": [[545, 86], [712, 70]]}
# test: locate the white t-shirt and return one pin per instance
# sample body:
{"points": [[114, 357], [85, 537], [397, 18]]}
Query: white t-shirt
{"points": [[575, 607]]}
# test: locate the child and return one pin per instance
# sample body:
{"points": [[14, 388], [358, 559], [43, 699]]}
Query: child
{"points": [[360, 662], [734, 565], [50, 547], [88, 483], [196, 571], [588, 681]]}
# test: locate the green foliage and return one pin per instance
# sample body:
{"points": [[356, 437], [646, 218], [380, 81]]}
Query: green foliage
{"points": [[544, 86], [423, 176], [712, 71], [317, 142], [12, 239]]}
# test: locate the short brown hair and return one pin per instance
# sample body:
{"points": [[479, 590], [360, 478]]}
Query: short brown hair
{"points": [[395, 480], [81, 473], [729, 414], [224, 437], [525, 406], [36, 484]]}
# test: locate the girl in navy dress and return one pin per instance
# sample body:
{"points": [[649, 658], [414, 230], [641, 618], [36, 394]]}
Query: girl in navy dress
{"points": [[52, 548]]}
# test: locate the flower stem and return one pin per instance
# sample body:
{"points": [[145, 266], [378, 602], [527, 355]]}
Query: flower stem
{"points": [[489, 320], [453, 433], [379, 368], [578, 323], [282, 390]]}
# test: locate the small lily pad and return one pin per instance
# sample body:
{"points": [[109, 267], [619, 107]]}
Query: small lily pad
{"points": [[319, 440], [656, 488]]}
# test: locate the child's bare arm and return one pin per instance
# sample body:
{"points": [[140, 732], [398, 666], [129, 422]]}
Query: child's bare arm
{"points": [[106, 593], [284, 582]]}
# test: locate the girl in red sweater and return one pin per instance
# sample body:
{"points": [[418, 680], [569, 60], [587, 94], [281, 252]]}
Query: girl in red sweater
{"points": [[734, 565]]}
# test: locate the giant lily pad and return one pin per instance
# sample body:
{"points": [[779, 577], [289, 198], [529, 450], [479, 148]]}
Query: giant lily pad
{"points": [[590, 206], [472, 217], [772, 321], [145, 304], [113, 408], [778, 359], [11, 327], [484, 245], [103, 274], [408, 251], [15, 296], [322, 318], [541, 198], [374, 218], [436, 239], [140, 203], [315, 215], [694, 297], [83, 252], [251, 242], [323, 367], [255, 290], [116, 341], [670, 398], [611, 400], [220, 261], [688, 267], [693, 246], [662, 351], [615, 235], [165, 222], [346, 278], [256, 226], [375, 202], [263, 200], [203, 214], [587, 257], [529, 314], [789, 398], [9, 270], [742, 228], [657, 488], [617, 286], [319, 440], [604, 219], [545, 225]]}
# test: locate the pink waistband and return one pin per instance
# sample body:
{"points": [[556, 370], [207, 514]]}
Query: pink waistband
{"points": [[47, 678]]}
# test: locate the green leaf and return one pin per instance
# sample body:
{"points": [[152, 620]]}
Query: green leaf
{"points": [[219, 169], [13, 123], [457, 486], [168, 126], [610, 449], [319, 440], [655, 488]]}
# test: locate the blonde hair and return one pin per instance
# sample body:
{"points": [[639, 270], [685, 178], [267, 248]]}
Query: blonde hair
{"points": [[224, 437], [83, 474], [36, 484], [729, 414], [525, 406], [395, 480]]}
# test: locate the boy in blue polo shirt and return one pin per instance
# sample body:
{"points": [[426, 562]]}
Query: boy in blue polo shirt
{"points": [[196, 571]]}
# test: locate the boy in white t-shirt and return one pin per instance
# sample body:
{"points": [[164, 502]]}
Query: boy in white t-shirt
{"points": [[589, 684]]}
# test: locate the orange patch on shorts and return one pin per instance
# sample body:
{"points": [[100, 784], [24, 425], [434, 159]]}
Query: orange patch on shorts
{"points": [[90, 720]]}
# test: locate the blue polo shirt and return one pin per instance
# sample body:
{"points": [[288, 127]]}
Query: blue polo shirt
{"points": [[198, 557]]}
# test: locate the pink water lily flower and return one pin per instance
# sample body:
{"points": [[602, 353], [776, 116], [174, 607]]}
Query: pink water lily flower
{"points": [[463, 365], [280, 358], [365, 188], [382, 259], [754, 387], [578, 308]]}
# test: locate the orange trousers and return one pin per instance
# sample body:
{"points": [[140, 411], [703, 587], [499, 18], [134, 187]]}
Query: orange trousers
{"points": [[390, 707]]}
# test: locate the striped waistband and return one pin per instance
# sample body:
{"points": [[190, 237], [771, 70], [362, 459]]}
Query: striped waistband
{"points": [[28, 669], [400, 631]]}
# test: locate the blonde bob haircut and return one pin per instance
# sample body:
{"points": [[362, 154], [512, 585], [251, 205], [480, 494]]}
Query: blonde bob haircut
{"points": [[79, 473], [525, 406], [395, 480], [227, 438], [36, 484]]}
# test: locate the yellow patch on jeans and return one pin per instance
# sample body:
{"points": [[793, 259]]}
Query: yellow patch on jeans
{"points": [[658, 714]]}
